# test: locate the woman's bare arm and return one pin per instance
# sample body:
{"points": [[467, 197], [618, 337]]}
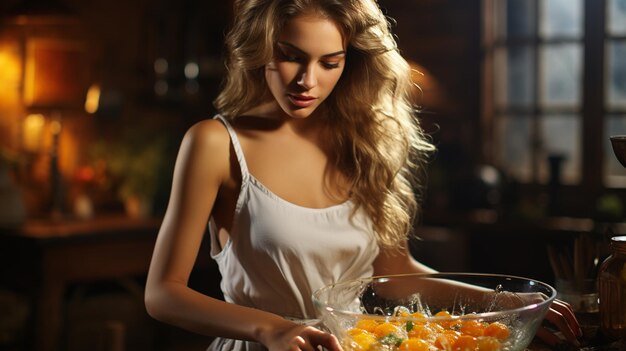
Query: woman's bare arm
{"points": [[202, 166], [398, 262], [560, 314]]}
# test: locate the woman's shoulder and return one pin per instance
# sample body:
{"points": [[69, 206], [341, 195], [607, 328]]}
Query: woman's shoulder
{"points": [[208, 136], [208, 132], [205, 148]]}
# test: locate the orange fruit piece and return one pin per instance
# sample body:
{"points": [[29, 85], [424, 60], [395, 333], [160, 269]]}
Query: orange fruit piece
{"points": [[413, 344], [465, 343], [356, 331], [366, 324], [497, 330], [472, 327], [448, 323], [419, 316], [443, 313], [423, 331], [446, 340], [362, 341], [489, 343], [385, 329], [437, 327]]}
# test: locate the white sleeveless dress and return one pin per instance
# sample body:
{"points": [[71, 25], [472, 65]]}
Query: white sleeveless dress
{"points": [[280, 253]]}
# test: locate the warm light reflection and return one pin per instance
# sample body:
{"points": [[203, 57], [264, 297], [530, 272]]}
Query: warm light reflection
{"points": [[55, 127], [11, 112], [427, 92], [10, 73], [9, 67], [29, 80], [33, 132], [93, 99]]}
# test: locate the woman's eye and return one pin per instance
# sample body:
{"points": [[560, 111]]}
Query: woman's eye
{"points": [[330, 65], [289, 58]]}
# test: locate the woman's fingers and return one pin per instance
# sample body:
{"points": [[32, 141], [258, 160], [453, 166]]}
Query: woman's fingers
{"points": [[333, 343], [562, 318], [548, 337], [297, 337], [568, 313], [561, 323], [302, 344], [327, 340]]}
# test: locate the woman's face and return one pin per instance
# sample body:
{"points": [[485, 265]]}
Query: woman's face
{"points": [[309, 58]]}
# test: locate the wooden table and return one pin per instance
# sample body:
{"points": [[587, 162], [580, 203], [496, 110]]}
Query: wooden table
{"points": [[41, 259]]}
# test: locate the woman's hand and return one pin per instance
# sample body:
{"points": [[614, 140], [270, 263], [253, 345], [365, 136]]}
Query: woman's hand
{"points": [[560, 324], [295, 337], [564, 322]]}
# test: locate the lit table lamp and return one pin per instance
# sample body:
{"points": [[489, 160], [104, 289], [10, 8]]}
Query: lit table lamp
{"points": [[55, 61], [53, 85]]}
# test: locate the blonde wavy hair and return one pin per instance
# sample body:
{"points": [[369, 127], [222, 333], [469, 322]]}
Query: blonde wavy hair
{"points": [[377, 141]]}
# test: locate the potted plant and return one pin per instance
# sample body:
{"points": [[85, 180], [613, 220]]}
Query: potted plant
{"points": [[134, 168]]}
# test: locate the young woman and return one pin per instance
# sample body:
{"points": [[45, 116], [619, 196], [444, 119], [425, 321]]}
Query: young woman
{"points": [[307, 176]]}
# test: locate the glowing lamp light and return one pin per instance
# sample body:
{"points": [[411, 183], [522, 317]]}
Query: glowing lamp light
{"points": [[53, 76], [93, 99], [32, 132], [10, 66]]}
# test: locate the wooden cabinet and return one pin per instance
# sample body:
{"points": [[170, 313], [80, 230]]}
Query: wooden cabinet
{"points": [[43, 258]]}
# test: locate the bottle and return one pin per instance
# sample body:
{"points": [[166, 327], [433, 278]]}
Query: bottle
{"points": [[612, 291]]}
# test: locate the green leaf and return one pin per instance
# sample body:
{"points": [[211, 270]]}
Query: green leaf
{"points": [[391, 339], [409, 326]]}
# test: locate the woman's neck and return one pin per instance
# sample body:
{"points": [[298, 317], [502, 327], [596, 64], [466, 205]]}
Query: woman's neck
{"points": [[272, 117]]}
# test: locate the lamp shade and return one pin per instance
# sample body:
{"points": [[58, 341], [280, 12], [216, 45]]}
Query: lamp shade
{"points": [[55, 54], [56, 73]]}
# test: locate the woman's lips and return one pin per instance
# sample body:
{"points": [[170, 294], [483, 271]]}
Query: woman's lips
{"points": [[301, 100]]}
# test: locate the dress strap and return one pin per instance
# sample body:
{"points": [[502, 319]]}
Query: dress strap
{"points": [[245, 175]]}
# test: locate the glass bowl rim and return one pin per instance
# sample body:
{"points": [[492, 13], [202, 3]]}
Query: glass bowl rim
{"points": [[485, 315]]}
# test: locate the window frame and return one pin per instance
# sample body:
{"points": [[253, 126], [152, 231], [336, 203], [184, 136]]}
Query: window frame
{"points": [[594, 40]]}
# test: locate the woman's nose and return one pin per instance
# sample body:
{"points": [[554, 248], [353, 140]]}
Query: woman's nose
{"points": [[307, 78]]}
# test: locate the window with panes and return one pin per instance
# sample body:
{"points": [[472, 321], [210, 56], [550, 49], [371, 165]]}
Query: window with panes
{"points": [[555, 89]]}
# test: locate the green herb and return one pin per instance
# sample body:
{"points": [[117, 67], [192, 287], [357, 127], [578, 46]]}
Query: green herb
{"points": [[391, 339], [409, 326]]}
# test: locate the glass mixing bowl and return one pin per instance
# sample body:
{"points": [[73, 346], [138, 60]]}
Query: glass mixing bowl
{"points": [[428, 312]]}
